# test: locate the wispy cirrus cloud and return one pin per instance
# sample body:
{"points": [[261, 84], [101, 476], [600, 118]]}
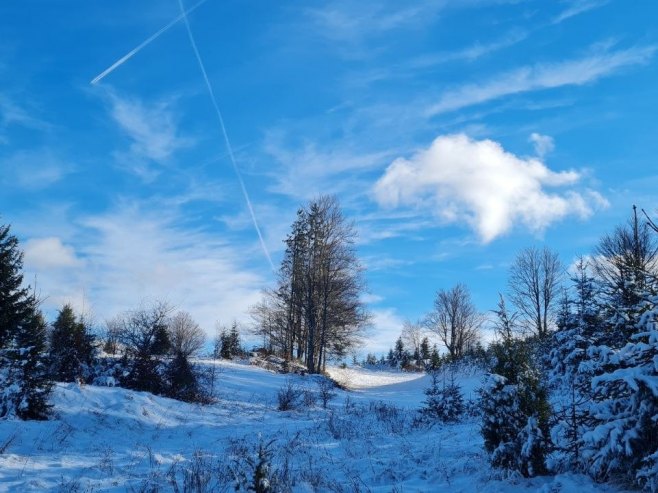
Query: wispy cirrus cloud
{"points": [[577, 7], [478, 183], [152, 129], [469, 53], [16, 114], [140, 251], [305, 170], [429, 61], [35, 169], [351, 21], [574, 72]]}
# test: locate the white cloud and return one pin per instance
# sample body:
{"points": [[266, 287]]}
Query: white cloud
{"points": [[13, 113], [469, 53], [370, 298], [577, 7], [480, 184], [354, 21], [111, 262], [36, 169], [306, 171], [49, 253], [543, 76], [544, 144], [386, 328], [152, 129], [135, 254], [350, 21]]}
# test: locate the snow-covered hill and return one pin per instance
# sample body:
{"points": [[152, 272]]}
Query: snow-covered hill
{"points": [[112, 439]]}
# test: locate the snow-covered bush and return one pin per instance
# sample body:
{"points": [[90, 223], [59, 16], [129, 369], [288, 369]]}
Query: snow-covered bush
{"points": [[326, 390], [289, 396]]}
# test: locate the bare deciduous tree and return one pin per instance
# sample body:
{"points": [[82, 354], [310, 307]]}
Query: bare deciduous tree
{"points": [[143, 335], [412, 335], [627, 259], [185, 335], [316, 311], [455, 319], [534, 283]]}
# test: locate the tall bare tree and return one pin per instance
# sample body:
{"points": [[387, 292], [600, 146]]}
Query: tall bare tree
{"points": [[185, 335], [627, 260], [412, 335], [455, 319], [316, 310], [534, 283]]}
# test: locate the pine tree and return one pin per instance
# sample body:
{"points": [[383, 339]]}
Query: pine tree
{"points": [[390, 359], [399, 351], [225, 344], [182, 381], [24, 369], [579, 325], [425, 351], [624, 439], [14, 298], [24, 383], [443, 402], [435, 359], [71, 347], [235, 348], [514, 402]]}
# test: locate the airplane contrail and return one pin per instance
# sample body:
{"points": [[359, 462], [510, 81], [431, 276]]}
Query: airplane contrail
{"points": [[229, 148], [148, 41]]}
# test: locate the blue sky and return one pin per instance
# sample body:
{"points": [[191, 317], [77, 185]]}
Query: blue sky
{"points": [[454, 133]]}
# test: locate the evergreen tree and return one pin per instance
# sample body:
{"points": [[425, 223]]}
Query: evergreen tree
{"points": [[579, 324], [235, 348], [24, 375], [24, 383], [15, 300], [515, 409], [624, 438], [182, 380], [71, 347], [435, 359], [627, 264], [425, 351], [443, 402], [399, 351], [225, 344]]}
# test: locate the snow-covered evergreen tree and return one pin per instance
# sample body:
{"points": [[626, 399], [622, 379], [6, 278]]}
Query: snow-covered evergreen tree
{"points": [[182, 381], [514, 404], [444, 401], [24, 373], [624, 440], [579, 326], [24, 383]]}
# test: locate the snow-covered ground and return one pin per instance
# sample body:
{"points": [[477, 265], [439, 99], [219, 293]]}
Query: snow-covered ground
{"points": [[111, 439]]}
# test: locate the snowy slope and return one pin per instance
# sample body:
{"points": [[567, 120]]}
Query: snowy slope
{"points": [[111, 439]]}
